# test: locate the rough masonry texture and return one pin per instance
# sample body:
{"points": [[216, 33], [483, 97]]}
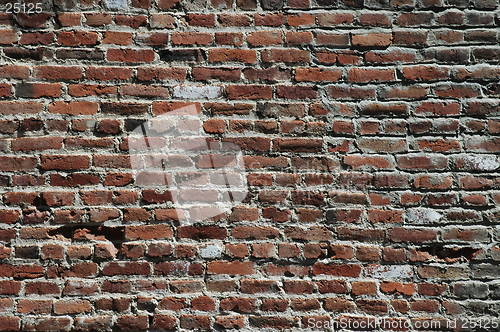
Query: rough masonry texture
{"points": [[370, 132]]}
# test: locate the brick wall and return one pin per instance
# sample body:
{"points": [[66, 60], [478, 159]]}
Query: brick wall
{"points": [[370, 138]]}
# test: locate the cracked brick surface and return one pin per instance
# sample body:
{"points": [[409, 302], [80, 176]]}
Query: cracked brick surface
{"points": [[370, 139]]}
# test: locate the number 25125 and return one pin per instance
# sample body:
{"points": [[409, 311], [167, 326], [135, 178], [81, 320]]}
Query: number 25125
{"points": [[26, 8]]}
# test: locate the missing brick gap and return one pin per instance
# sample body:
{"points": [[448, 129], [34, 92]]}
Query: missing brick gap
{"points": [[40, 204], [450, 253], [116, 235]]}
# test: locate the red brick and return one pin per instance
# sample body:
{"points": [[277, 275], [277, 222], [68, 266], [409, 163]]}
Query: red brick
{"points": [[412, 235], [37, 90], [203, 303], [344, 270], [332, 39], [425, 73], [332, 20], [230, 322], [77, 38], [64, 307], [409, 38], [372, 39], [108, 73], [372, 306], [132, 21], [10, 323], [42, 288], [232, 268], [69, 19], [126, 268], [164, 322], [299, 38], [203, 20], [375, 19], [162, 21], [232, 55], [398, 288], [364, 75], [132, 322], [243, 305], [8, 287], [264, 38], [93, 323], [117, 38], [273, 19], [37, 38], [301, 20], [14, 71], [38, 143], [249, 92], [130, 55], [202, 232], [234, 20], [223, 74], [195, 322], [74, 108], [144, 91], [288, 56], [229, 38], [84, 90], [148, 232], [192, 38], [64, 162], [8, 37], [296, 92], [317, 75], [363, 288]]}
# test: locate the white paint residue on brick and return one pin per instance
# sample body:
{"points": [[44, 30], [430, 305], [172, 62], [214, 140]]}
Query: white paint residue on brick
{"points": [[392, 272], [482, 162], [116, 4], [422, 216], [197, 92], [211, 251]]}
